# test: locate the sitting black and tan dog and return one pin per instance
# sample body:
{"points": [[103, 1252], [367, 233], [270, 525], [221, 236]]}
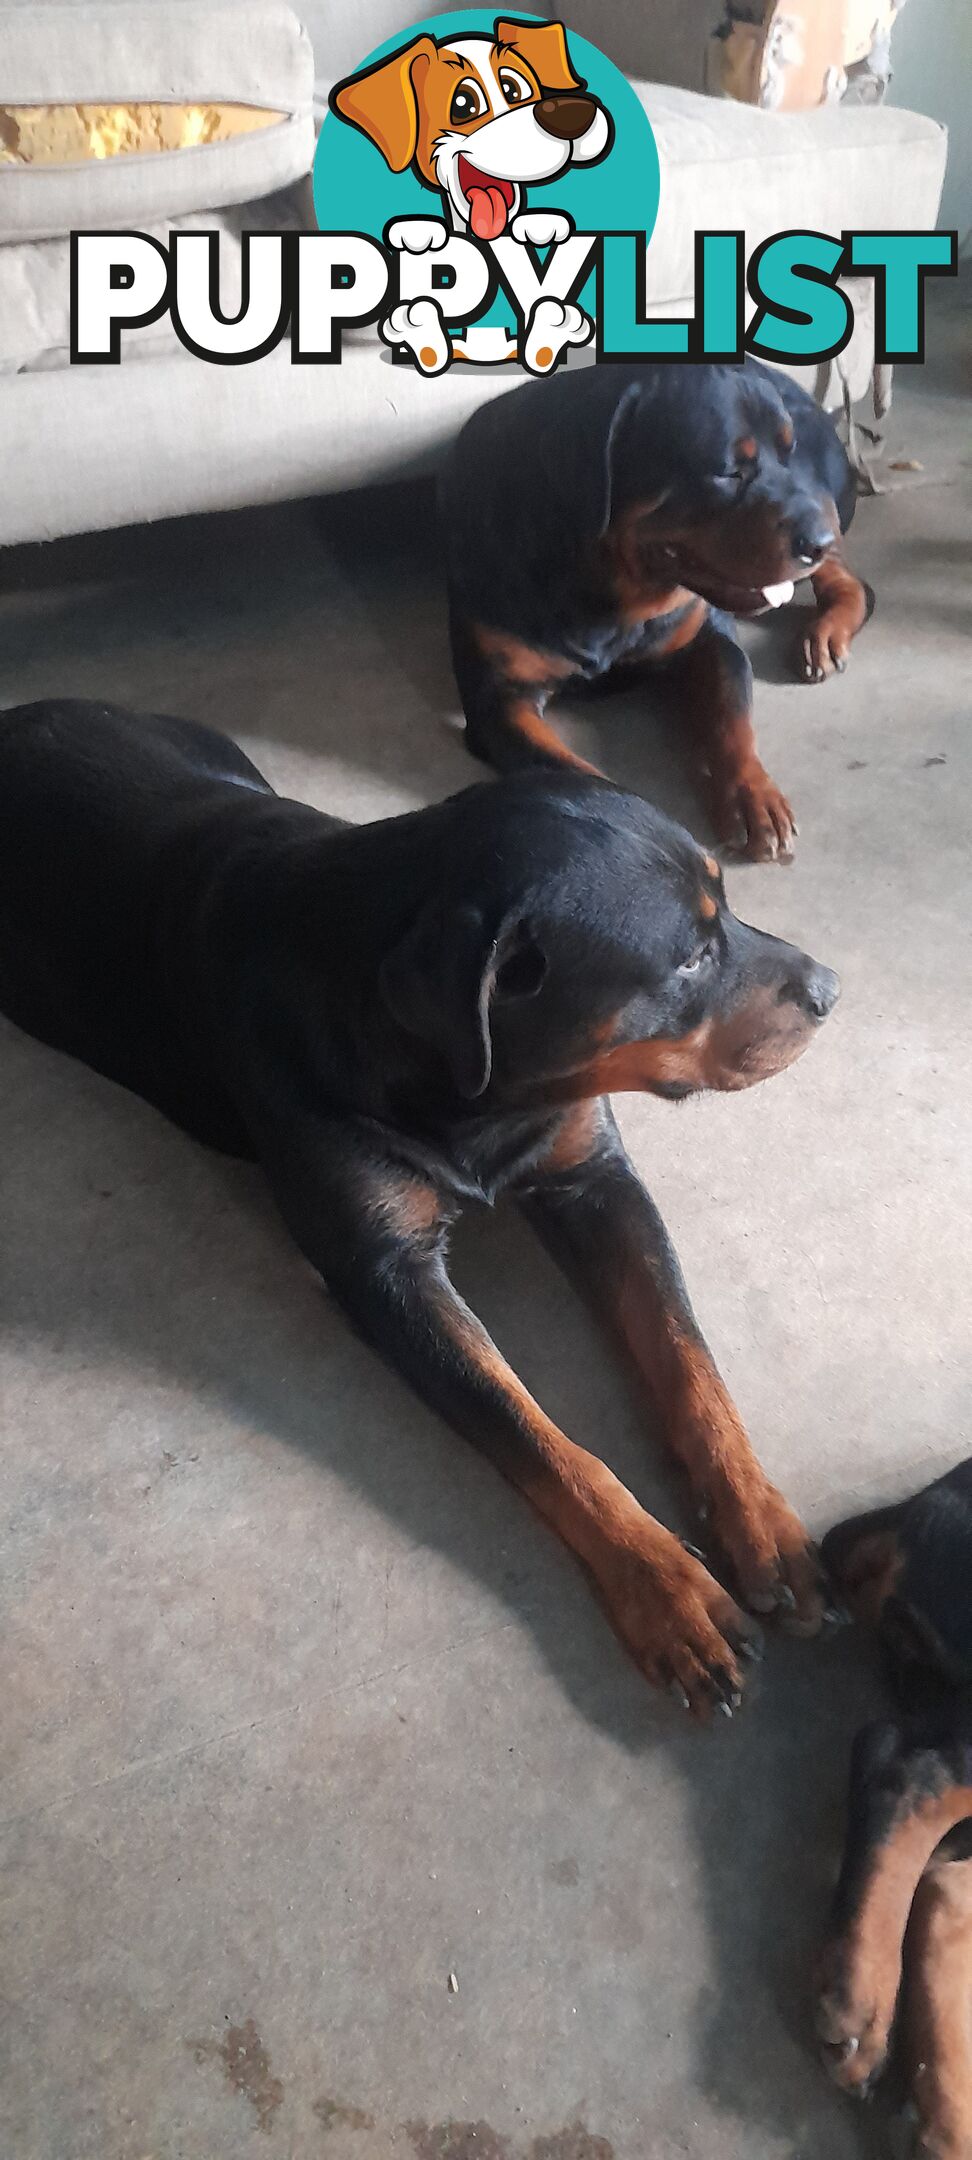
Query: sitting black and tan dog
{"points": [[901, 1930], [398, 1017], [613, 518]]}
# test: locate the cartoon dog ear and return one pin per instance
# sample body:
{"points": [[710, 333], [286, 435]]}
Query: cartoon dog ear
{"points": [[438, 984], [544, 48], [384, 101]]}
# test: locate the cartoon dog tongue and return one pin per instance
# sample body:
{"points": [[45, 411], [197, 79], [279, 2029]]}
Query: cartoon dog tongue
{"points": [[487, 211]]}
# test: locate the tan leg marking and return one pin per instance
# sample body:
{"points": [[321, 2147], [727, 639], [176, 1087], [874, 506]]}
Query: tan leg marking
{"points": [[861, 1969], [937, 2011]]}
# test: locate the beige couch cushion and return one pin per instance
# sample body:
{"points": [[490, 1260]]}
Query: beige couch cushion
{"points": [[252, 54], [838, 168], [35, 283]]}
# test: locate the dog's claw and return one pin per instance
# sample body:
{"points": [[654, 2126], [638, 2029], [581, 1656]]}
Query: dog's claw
{"points": [[677, 1693]]}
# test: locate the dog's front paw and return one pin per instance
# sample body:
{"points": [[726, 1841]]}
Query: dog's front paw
{"points": [[826, 646], [752, 814], [419, 325], [681, 1627], [553, 325], [417, 235], [773, 1559], [542, 228]]}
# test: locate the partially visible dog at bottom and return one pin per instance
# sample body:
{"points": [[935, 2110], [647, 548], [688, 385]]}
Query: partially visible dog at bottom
{"points": [[397, 1017], [901, 1931]]}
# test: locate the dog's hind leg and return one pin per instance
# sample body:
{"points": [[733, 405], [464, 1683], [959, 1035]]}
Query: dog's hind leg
{"points": [[937, 2012], [909, 1786], [505, 686]]}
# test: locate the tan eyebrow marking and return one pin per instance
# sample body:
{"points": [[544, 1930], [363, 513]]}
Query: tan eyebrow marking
{"points": [[786, 435], [746, 446], [708, 907], [709, 863]]}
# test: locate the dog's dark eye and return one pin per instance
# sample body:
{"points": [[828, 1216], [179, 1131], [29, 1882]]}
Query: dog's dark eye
{"points": [[468, 103], [513, 86], [522, 974], [697, 960]]}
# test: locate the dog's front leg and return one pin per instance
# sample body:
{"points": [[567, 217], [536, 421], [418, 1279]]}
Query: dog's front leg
{"points": [[715, 682], [377, 1236], [844, 605], [593, 1212]]}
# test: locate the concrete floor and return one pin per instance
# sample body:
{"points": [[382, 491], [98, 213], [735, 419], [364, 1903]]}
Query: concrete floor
{"points": [[303, 1711]]}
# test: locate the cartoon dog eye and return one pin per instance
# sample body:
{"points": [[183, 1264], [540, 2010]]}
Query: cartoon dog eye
{"points": [[515, 88], [468, 102]]}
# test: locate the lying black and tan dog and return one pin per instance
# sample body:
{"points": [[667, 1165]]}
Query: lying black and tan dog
{"points": [[901, 1930], [618, 517], [398, 1017]]}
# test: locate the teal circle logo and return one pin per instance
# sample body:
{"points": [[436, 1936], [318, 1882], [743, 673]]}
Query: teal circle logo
{"points": [[512, 133]]}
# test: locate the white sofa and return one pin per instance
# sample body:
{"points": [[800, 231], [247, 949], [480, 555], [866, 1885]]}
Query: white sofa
{"points": [[164, 433]]}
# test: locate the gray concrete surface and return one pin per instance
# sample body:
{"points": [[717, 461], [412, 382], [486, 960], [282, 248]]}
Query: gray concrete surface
{"points": [[302, 1711]]}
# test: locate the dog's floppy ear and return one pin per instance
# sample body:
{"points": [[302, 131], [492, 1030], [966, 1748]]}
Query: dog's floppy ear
{"points": [[582, 464], [544, 48], [438, 983], [817, 439], [383, 102]]}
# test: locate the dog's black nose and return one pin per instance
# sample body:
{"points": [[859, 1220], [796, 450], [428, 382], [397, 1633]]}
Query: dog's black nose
{"points": [[820, 991], [811, 540], [567, 116]]}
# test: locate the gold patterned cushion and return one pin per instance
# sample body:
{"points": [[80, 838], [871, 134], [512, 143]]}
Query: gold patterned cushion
{"points": [[64, 134], [140, 112]]}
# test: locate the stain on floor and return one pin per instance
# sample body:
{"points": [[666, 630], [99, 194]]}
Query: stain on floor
{"points": [[246, 2067], [479, 2141], [337, 2115]]}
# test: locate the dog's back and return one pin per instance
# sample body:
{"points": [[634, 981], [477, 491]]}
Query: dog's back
{"points": [[90, 796]]}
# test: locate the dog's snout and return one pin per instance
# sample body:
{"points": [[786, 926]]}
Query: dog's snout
{"points": [[567, 116], [817, 989], [811, 539]]}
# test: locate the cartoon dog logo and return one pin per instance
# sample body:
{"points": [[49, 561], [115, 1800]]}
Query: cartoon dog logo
{"points": [[479, 119]]}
